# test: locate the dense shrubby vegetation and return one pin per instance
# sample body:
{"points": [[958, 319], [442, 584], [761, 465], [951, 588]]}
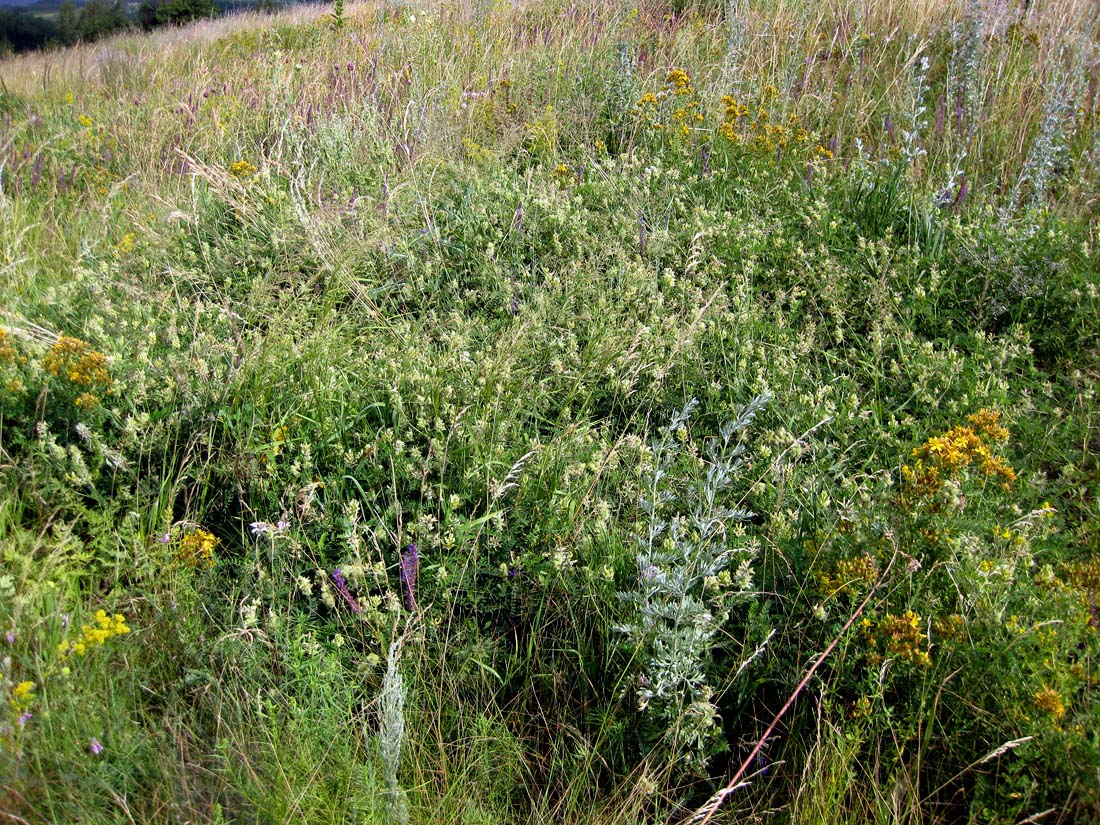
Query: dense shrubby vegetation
{"points": [[484, 413]]}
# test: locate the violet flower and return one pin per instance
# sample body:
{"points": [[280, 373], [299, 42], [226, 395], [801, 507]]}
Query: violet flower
{"points": [[342, 586]]}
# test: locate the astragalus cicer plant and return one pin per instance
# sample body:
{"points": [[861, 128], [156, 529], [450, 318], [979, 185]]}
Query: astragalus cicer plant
{"points": [[686, 551]]}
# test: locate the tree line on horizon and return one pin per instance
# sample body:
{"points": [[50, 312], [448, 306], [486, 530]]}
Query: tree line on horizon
{"points": [[24, 30]]}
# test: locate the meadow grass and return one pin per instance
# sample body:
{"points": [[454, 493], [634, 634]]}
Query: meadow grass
{"points": [[675, 337]]}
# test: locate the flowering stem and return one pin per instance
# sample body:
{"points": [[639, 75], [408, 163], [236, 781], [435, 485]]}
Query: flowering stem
{"points": [[703, 815]]}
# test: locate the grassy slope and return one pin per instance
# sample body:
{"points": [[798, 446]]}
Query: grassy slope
{"points": [[435, 277]]}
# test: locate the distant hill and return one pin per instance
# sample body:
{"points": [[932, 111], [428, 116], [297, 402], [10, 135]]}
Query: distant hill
{"points": [[48, 6], [26, 25]]}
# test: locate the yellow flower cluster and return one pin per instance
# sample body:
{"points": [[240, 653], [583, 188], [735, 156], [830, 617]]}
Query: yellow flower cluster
{"points": [[762, 132], [125, 245], [7, 351], [848, 577], [1084, 575], [1050, 701], [988, 424], [687, 116], [104, 628], [920, 481], [953, 450], [680, 81], [197, 547], [734, 111], [242, 169], [76, 362], [901, 636], [22, 696], [946, 456], [687, 112], [648, 104], [949, 627]]}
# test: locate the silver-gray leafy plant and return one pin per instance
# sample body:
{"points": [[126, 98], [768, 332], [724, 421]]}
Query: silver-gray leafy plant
{"points": [[1050, 148], [684, 586], [391, 735]]}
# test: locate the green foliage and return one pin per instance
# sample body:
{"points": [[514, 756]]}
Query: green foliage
{"points": [[68, 22], [337, 16], [20, 31], [281, 303], [98, 18]]}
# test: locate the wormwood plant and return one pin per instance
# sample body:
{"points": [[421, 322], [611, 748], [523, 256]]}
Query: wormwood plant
{"points": [[736, 25], [684, 590], [1049, 151], [966, 57], [391, 734], [911, 148], [621, 96]]}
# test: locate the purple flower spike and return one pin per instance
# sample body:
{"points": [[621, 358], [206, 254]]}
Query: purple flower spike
{"points": [[961, 196], [24, 717], [10, 637], [410, 566], [342, 586], [95, 747]]}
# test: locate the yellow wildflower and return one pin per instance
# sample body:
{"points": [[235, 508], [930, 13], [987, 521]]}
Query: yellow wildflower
{"points": [[242, 169], [125, 245], [86, 401], [7, 351], [954, 451], [197, 547], [734, 110], [902, 638], [848, 577], [988, 423], [76, 362], [1050, 700], [21, 696], [103, 628], [680, 82]]}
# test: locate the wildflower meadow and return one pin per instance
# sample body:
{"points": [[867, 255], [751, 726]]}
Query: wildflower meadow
{"points": [[664, 411]]}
